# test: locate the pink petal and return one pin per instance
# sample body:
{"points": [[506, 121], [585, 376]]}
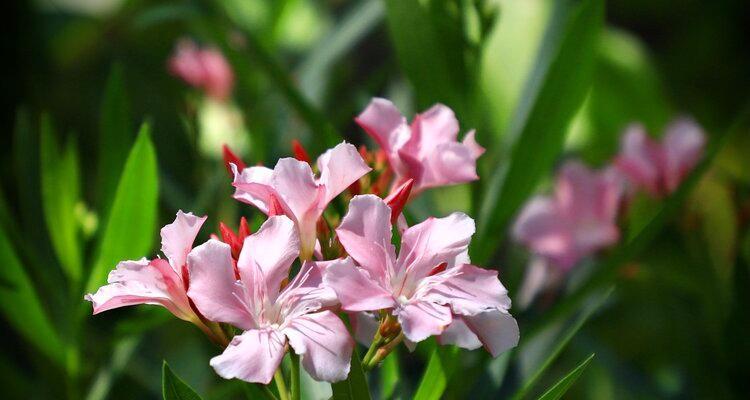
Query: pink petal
{"points": [[436, 126], [306, 293], [541, 227], [639, 158], [272, 249], [355, 289], [252, 356], [295, 183], [380, 120], [683, 146], [324, 344], [339, 168], [254, 186], [177, 238], [498, 331], [213, 287], [437, 240], [471, 143], [186, 63], [449, 164], [143, 282], [219, 77], [421, 319], [364, 325], [458, 334], [469, 290], [365, 233]]}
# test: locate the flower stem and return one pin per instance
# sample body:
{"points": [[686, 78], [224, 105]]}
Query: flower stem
{"points": [[376, 343], [294, 376], [278, 377], [383, 351]]}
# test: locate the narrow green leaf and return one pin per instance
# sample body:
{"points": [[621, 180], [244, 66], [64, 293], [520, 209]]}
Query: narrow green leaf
{"points": [[439, 370], [561, 345], [355, 386], [562, 386], [553, 93], [174, 388], [389, 375], [60, 195], [131, 222], [115, 136], [107, 375], [21, 307]]}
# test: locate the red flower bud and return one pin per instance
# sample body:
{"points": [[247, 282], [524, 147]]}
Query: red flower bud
{"points": [[299, 152], [398, 199], [231, 158]]}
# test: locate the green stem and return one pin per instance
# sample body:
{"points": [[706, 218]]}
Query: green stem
{"points": [[377, 341], [383, 352], [278, 377], [294, 376]]}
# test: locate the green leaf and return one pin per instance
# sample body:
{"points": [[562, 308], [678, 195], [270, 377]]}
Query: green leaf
{"points": [[562, 386], [115, 136], [174, 388], [131, 222], [439, 370], [60, 195], [389, 375], [561, 345], [21, 307], [355, 386], [553, 93]]}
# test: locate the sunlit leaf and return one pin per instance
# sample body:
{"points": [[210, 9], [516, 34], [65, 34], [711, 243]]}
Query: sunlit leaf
{"points": [[439, 370], [174, 388], [21, 306], [131, 223], [60, 195], [390, 372], [562, 386], [536, 133]]}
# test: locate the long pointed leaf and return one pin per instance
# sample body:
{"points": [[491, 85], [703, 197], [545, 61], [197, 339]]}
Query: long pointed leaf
{"points": [[439, 370], [132, 220], [20, 305], [555, 90], [174, 388], [60, 194], [562, 386], [355, 386]]}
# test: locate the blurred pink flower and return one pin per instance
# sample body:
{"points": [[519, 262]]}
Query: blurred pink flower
{"points": [[270, 311], [161, 282], [579, 219], [427, 150], [206, 69], [291, 188], [660, 167], [430, 287]]}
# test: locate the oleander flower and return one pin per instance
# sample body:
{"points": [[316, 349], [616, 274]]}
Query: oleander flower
{"points": [[427, 150], [206, 69], [659, 168], [430, 287], [579, 219], [158, 281], [271, 312], [291, 188]]}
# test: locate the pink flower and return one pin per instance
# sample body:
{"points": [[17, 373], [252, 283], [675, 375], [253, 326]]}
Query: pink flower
{"points": [[578, 220], [161, 282], [206, 69], [660, 167], [429, 287], [291, 188], [271, 312], [427, 150]]}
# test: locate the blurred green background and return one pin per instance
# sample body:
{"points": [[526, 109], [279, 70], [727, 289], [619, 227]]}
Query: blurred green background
{"points": [[83, 75]]}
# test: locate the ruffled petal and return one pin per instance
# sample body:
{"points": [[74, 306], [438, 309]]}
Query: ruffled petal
{"points": [[380, 120], [355, 289], [449, 164], [365, 233], [436, 126], [254, 186], [458, 334], [339, 168], [177, 238], [422, 319], [639, 159], [542, 228], [469, 290], [497, 330], [272, 249], [213, 287], [324, 344], [252, 356]]}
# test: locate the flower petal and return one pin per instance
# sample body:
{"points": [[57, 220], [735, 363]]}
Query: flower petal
{"points": [[542, 228], [355, 289], [306, 293], [365, 233], [213, 287], [177, 238], [436, 126], [380, 120], [324, 344], [295, 183], [143, 282], [683, 146], [252, 356], [639, 158], [422, 319], [272, 249], [254, 186], [449, 164], [458, 334], [497, 330], [469, 290], [339, 168], [437, 240]]}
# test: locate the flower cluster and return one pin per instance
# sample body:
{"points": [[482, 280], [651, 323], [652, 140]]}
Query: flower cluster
{"points": [[280, 289], [580, 218]]}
